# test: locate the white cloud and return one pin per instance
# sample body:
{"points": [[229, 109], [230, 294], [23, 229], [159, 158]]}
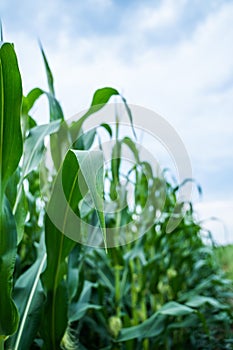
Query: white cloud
{"points": [[166, 14], [178, 81]]}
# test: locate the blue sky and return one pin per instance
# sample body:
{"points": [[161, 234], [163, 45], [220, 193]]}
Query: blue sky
{"points": [[175, 57]]}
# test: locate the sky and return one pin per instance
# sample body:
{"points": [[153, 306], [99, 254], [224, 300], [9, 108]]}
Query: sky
{"points": [[172, 56]]}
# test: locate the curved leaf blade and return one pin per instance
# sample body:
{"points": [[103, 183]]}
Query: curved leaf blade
{"points": [[34, 145], [10, 106], [155, 324], [99, 100], [92, 167], [10, 154]]}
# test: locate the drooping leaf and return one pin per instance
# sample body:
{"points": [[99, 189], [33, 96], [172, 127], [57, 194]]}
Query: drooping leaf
{"points": [[155, 324], [60, 142], [86, 139], [86, 205], [33, 151], [100, 98], [30, 99], [132, 146], [175, 309], [28, 102], [34, 145], [78, 309], [107, 127], [55, 109], [152, 327], [199, 300]]}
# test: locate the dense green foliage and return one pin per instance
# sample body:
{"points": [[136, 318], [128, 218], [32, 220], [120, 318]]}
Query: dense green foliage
{"points": [[162, 291], [224, 254]]}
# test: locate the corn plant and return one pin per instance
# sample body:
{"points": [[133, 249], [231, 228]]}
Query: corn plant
{"points": [[163, 291]]}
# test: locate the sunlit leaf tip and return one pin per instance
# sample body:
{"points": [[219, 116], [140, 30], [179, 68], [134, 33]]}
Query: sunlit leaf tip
{"points": [[48, 70]]}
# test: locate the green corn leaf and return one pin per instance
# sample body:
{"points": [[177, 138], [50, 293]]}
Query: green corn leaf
{"points": [[129, 115], [86, 206], [106, 279], [29, 298], [54, 105], [175, 309], [33, 151], [155, 324], [27, 121], [22, 209], [20, 216], [100, 98], [115, 168], [10, 105], [59, 246], [75, 278], [56, 116], [59, 143], [198, 300], [30, 99], [48, 71], [85, 140], [8, 245], [34, 145], [78, 310], [91, 165], [55, 310], [131, 145], [10, 154], [152, 327], [107, 128], [62, 137]]}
